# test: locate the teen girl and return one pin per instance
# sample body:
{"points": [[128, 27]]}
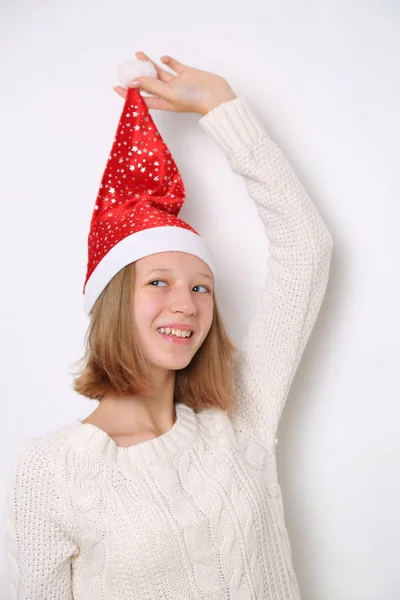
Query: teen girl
{"points": [[169, 489]]}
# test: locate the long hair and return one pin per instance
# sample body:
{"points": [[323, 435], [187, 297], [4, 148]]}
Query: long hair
{"points": [[114, 363]]}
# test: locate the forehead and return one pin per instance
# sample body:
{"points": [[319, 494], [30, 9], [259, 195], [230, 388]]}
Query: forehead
{"points": [[175, 261]]}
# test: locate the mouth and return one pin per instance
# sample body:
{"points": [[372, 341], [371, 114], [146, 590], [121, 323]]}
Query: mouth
{"points": [[173, 336]]}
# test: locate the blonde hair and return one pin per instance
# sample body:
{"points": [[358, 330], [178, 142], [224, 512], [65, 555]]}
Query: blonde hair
{"points": [[114, 363]]}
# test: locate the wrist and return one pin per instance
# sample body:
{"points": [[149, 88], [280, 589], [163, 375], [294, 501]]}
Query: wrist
{"points": [[216, 99]]}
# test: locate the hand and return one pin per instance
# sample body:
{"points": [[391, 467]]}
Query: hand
{"points": [[186, 90]]}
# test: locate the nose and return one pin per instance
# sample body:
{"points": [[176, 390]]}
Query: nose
{"points": [[182, 302]]}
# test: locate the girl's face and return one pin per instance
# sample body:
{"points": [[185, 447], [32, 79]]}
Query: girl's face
{"points": [[172, 289]]}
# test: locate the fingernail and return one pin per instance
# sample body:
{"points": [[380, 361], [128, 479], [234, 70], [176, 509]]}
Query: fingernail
{"points": [[135, 83]]}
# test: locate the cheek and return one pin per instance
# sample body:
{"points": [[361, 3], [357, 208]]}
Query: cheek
{"points": [[207, 311], [146, 310]]}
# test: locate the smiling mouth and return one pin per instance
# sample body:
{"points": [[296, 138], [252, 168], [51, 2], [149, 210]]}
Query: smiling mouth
{"points": [[179, 333], [174, 339]]}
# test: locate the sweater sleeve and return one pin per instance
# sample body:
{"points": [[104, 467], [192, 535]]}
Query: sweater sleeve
{"points": [[300, 248], [38, 541]]}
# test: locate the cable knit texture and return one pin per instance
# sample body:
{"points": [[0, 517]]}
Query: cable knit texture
{"points": [[196, 513]]}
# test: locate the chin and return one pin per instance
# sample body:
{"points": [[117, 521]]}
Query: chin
{"points": [[172, 359], [174, 365]]}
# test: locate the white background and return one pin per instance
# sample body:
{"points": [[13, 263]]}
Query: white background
{"points": [[324, 78]]}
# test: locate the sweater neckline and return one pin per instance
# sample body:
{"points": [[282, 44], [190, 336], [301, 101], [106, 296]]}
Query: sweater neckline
{"points": [[161, 448]]}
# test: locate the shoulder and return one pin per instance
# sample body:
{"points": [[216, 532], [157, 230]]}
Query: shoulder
{"points": [[216, 426], [213, 419], [36, 457]]}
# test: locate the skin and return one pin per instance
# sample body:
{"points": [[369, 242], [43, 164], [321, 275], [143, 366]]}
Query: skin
{"points": [[182, 298], [178, 295], [182, 89]]}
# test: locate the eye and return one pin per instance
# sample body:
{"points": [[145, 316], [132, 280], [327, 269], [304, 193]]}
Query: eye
{"points": [[156, 281], [208, 291]]}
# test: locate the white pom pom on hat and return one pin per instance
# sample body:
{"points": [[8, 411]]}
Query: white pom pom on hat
{"points": [[129, 70]]}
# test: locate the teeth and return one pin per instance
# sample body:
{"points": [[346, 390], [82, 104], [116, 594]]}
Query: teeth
{"points": [[176, 332]]}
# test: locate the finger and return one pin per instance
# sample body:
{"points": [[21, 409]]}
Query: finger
{"points": [[161, 73], [121, 91], [156, 87], [155, 103], [173, 64]]}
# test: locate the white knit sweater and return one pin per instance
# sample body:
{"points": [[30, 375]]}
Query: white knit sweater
{"points": [[196, 513]]}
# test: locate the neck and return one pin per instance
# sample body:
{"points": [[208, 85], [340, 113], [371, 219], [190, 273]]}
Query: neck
{"points": [[124, 415]]}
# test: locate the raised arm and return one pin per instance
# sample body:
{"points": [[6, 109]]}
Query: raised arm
{"points": [[299, 242], [300, 248], [38, 541]]}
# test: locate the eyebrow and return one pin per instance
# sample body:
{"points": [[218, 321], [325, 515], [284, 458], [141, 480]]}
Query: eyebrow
{"points": [[169, 270]]}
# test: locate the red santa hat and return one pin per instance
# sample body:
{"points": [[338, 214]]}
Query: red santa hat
{"points": [[140, 196]]}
